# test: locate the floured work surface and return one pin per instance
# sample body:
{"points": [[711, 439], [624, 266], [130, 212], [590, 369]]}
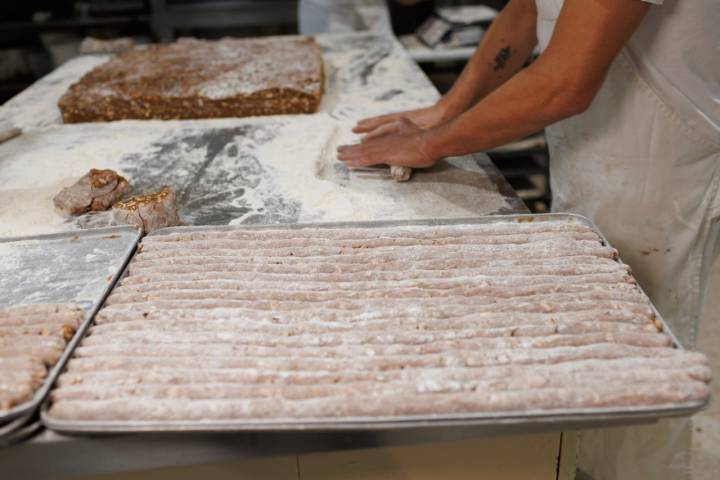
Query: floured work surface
{"points": [[201, 79], [250, 171], [314, 327], [260, 170], [49, 288]]}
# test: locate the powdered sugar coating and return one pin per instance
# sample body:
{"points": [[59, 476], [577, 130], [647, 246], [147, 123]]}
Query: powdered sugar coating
{"points": [[313, 323]]}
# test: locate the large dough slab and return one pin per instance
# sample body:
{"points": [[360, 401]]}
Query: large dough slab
{"points": [[201, 79]]}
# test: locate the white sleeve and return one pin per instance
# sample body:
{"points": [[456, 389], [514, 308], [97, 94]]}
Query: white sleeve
{"points": [[656, 2]]}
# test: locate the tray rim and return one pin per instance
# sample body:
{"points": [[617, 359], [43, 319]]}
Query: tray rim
{"points": [[21, 434], [559, 419], [87, 232], [14, 425], [571, 418], [32, 404]]}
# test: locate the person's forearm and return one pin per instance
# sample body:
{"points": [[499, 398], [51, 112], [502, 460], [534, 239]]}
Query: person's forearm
{"points": [[561, 83], [527, 103], [502, 52]]}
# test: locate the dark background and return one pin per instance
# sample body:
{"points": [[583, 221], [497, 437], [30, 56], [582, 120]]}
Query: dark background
{"points": [[38, 35]]}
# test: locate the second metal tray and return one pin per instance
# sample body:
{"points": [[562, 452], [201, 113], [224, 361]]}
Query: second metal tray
{"points": [[529, 421], [77, 267]]}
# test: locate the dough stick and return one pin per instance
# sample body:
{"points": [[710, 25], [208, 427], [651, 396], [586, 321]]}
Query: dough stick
{"points": [[380, 242], [356, 307], [211, 390], [502, 325], [315, 253], [184, 346], [486, 274], [219, 267], [541, 283], [485, 358], [47, 329], [604, 395], [71, 319], [12, 394], [370, 332], [688, 364], [377, 320], [452, 259], [36, 309], [354, 234], [46, 354]]}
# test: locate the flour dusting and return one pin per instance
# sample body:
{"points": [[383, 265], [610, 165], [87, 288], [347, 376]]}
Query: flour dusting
{"points": [[68, 269], [279, 169]]}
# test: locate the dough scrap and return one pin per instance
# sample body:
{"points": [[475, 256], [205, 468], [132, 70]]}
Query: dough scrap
{"points": [[401, 174], [148, 212], [97, 190]]}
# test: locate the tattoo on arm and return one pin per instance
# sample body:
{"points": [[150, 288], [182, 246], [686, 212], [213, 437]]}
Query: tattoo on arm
{"points": [[502, 57]]}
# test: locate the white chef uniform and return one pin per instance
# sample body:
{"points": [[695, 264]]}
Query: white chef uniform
{"points": [[343, 16], [643, 162], [321, 16]]}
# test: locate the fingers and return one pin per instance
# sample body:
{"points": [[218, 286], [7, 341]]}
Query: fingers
{"points": [[383, 130], [393, 143], [355, 155], [401, 125], [370, 124]]}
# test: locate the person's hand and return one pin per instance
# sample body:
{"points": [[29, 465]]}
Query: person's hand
{"points": [[401, 143], [424, 118]]}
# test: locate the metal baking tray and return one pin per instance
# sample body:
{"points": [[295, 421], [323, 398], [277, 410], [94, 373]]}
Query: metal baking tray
{"points": [[77, 267], [529, 421], [19, 429], [13, 425]]}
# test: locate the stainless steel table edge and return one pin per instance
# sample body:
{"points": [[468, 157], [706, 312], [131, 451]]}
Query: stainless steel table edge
{"points": [[14, 425], [535, 420], [31, 405], [20, 429]]}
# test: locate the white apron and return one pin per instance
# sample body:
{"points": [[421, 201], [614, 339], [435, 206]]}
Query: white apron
{"points": [[650, 182], [322, 16], [343, 16]]}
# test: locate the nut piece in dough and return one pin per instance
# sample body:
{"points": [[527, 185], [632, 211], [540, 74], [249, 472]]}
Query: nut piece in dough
{"points": [[400, 174], [148, 212], [97, 190]]}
